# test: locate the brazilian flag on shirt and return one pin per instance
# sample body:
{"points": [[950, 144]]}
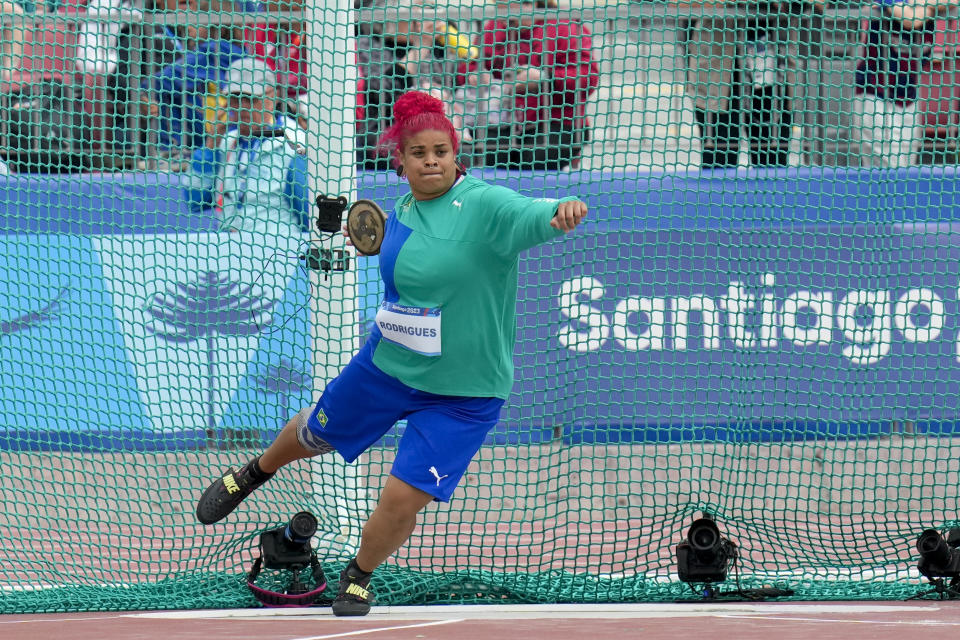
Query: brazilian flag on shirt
{"points": [[459, 254]]}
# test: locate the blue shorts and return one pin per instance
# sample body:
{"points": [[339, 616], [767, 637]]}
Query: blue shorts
{"points": [[443, 432]]}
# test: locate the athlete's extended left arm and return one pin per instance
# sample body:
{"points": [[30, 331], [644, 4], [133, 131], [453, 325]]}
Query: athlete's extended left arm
{"points": [[569, 214]]}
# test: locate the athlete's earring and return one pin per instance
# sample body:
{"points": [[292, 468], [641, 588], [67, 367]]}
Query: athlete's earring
{"points": [[461, 170], [399, 170]]}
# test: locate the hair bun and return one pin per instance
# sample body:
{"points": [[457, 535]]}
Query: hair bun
{"points": [[415, 103]]}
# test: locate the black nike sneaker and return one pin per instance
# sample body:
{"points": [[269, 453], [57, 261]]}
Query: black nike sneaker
{"points": [[226, 493], [353, 598]]}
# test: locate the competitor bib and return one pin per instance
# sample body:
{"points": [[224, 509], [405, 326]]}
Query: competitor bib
{"points": [[414, 328]]}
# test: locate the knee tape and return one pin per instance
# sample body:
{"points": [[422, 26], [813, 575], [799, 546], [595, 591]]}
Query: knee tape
{"points": [[308, 440]]}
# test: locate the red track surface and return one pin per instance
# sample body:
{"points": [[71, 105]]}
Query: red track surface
{"points": [[723, 621]]}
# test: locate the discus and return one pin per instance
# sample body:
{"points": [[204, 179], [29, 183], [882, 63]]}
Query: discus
{"points": [[366, 222]]}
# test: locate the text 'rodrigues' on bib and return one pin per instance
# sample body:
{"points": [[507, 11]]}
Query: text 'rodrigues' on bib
{"points": [[414, 328]]}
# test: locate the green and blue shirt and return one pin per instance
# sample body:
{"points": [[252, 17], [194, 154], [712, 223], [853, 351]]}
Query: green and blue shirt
{"points": [[449, 265]]}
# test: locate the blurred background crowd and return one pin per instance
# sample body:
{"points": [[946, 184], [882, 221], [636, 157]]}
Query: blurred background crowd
{"points": [[116, 85]]}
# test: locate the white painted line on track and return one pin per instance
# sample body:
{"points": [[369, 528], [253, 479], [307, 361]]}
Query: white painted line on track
{"points": [[360, 632], [569, 611], [926, 623]]}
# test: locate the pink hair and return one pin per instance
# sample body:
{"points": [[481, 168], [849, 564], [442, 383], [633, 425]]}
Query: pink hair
{"points": [[414, 112]]}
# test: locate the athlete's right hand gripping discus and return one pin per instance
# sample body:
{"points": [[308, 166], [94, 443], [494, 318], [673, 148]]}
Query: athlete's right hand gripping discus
{"points": [[366, 222]]}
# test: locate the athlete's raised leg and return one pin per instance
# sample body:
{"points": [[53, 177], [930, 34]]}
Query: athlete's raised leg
{"points": [[294, 442]]}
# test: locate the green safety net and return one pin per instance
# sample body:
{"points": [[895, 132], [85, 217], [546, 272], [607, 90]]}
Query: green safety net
{"points": [[757, 322]]}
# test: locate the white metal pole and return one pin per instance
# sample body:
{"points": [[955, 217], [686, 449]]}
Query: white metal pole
{"points": [[331, 101]]}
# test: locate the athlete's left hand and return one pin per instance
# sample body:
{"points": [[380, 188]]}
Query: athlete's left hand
{"points": [[569, 214]]}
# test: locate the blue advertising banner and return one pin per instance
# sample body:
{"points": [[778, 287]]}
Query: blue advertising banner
{"points": [[789, 333], [739, 305], [92, 204], [150, 341]]}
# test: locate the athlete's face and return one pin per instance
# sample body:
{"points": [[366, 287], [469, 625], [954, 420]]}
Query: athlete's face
{"points": [[429, 164]]}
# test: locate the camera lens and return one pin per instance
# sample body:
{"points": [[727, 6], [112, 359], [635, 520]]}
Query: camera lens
{"points": [[301, 528], [703, 536], [933, 547]]}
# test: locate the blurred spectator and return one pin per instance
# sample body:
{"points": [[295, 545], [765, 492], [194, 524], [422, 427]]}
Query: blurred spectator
{"points": [[492, 128], [433, 56], [483, 104], [13, 34], [282, 47], [186, 33], [253, 171], [741, 70], [98, 41], [399, 48], [103, 65], [547, 72], [112, 48], [939, 100], [898, 38], [185, 93]]}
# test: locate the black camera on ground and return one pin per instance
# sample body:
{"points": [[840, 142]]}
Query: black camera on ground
{"points": [[705, 556], [288, 547], [939, 557]]}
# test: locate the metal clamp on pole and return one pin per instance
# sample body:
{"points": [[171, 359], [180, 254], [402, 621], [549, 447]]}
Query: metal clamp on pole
{"points": [[329, 221]]}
